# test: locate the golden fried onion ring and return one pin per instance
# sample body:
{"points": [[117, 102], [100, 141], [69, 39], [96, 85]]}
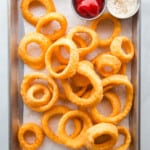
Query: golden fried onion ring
{"points": [[93, 35], [42, 41], [115, 80], [115, 103], [78, 141], [99, 131], [58, 110], [25, 5], [85, 69], [53, 16], [79, 80], [60, 57], [116, 31], [80, 43], [27, 83], [37, 89], [71, 67], [125, 132], [80, 91], [36, 130], [81, 87], [107, 64], [118, 45]]}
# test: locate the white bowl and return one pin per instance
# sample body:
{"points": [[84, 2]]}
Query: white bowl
{"points": [[92, 18], [113, 10]]}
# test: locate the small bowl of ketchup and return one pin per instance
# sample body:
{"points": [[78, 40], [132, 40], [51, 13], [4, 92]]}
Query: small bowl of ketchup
{"points": [[89, 9]]}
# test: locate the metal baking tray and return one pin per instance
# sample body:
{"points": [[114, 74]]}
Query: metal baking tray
{"points": [[16, 74]]}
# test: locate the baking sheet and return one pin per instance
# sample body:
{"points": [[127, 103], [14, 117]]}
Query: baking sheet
{"points": [[73, 20]]}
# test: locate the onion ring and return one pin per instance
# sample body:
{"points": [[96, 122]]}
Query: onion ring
{"points": [[42, 41], [71, 67], [79, 80], [38, 133], [115, 80], [35, 89], [79, 92], [118, 45], [116, 31], [123, 69], [53, 16], [107, 88], [25, 4], [78, 141], [101, 130], [60, 57], [79, 43], [81, 89], [93, 35], [124, 131], [58, 110], [85, 69], [107, 64], [27, 83], [115, 103]]}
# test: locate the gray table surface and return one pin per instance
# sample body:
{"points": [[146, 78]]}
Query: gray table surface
{"points": [[145, 76], [4, 96]]}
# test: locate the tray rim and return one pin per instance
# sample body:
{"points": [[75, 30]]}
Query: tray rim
{"points": [[13, 125]]}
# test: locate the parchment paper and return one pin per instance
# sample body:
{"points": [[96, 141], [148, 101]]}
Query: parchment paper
{"points": [[64, 7]]}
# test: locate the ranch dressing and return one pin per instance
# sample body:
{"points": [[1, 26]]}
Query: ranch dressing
{"points": [[122, 8]]}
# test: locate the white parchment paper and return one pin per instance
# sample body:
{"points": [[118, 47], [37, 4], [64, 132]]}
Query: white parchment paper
{"points": [[64, 7]]}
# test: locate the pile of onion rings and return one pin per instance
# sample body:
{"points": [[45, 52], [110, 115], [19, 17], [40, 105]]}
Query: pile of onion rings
{"points": [[72, 78], [97, 91]]}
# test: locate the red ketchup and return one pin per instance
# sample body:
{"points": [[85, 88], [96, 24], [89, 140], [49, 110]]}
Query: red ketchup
{"points": [[89, 8]]}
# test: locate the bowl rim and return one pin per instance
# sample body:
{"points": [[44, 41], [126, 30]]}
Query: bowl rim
{"points": [[92, 18], [124, 17]]}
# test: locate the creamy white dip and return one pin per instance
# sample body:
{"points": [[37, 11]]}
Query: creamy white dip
{"points": [[122, 8]]}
